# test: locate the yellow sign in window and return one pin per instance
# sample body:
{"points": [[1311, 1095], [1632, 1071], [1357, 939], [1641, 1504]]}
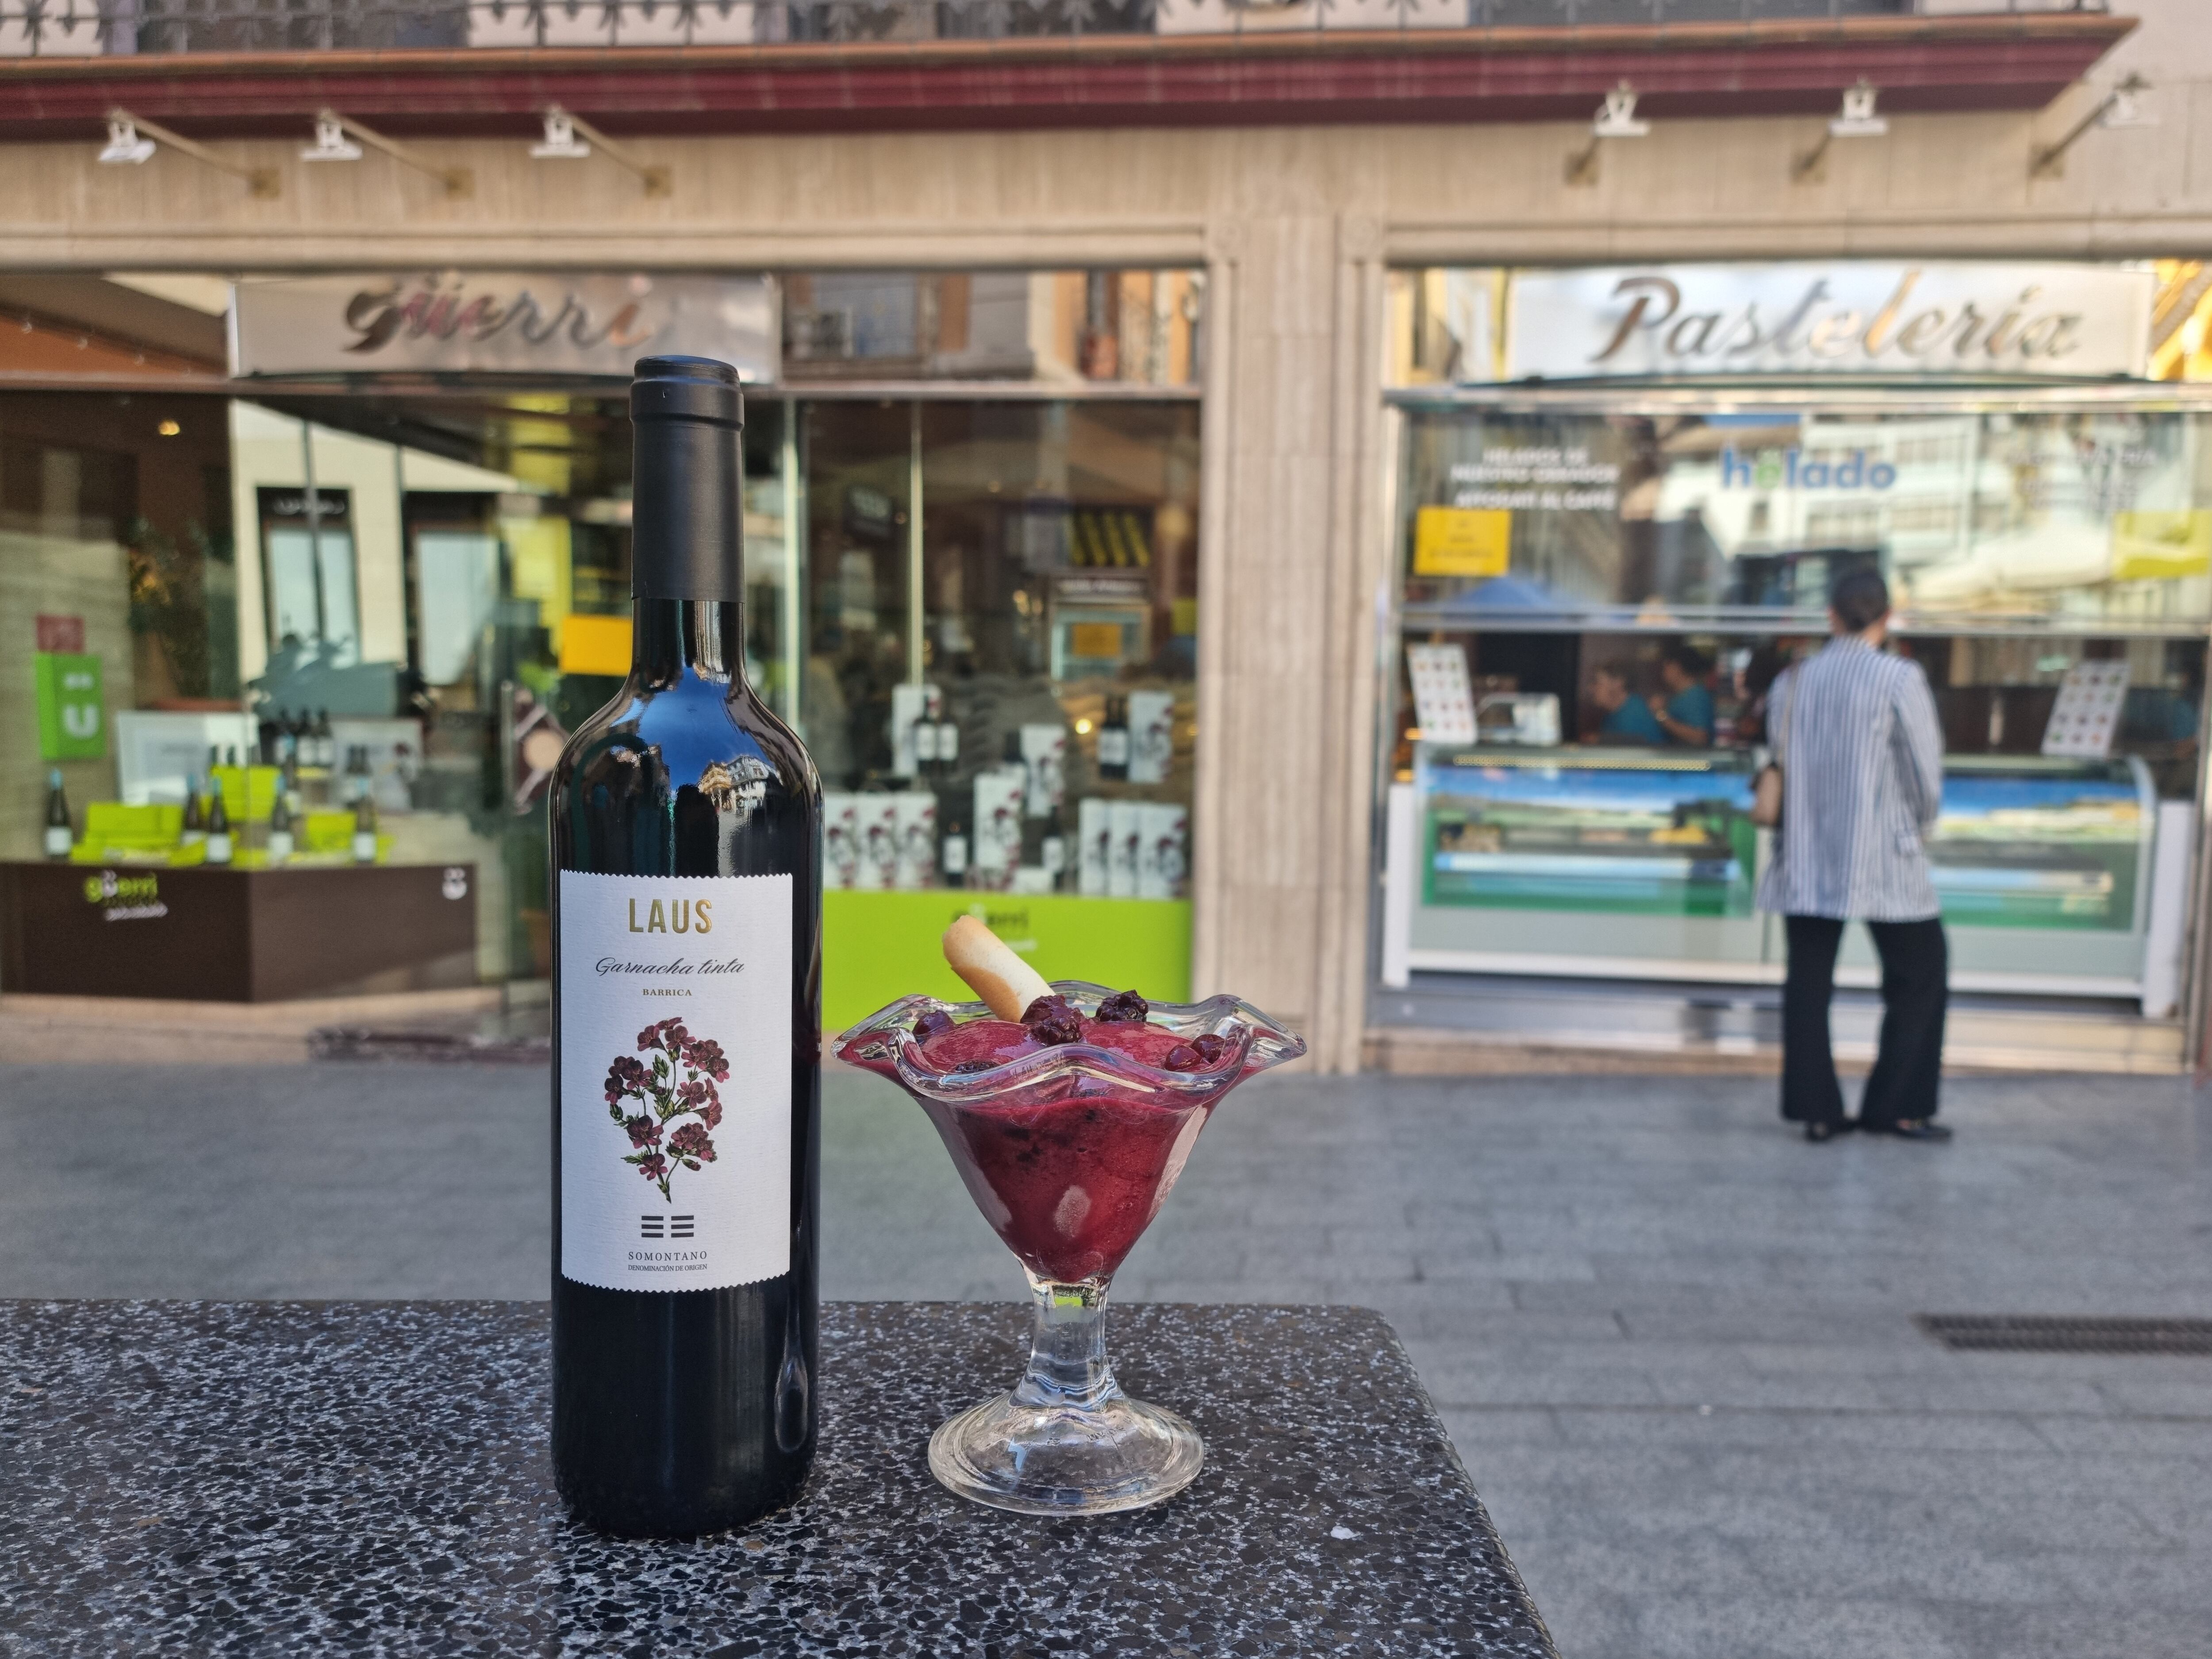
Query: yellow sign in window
{"points": [[595, 645], [2147, 546], [1093, 640], [1463, 541]]}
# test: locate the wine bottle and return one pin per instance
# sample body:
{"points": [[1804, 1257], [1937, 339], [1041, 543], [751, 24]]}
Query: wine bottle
{"points": [[952, 857], [326, 743], [195, 826], [280, 841], [1114, 738], [364, 831], [1052, 848], [218, 825], [59, 836], [686, 828]]}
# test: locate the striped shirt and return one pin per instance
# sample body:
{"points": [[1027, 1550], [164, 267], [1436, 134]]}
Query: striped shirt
{"points": [[1862, 757]]}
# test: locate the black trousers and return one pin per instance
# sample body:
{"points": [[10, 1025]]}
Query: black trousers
{"points": [[1909, 1063]]}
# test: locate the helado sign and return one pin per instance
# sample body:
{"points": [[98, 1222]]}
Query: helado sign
{"points": [[1917, 319]]}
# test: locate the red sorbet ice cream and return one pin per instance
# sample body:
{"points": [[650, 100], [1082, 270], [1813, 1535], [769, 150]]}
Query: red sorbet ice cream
{"points": [[1071, 1170]]}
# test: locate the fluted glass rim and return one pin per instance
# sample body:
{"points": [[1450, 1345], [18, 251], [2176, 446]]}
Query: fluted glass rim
{"points": [[886, 1039]]}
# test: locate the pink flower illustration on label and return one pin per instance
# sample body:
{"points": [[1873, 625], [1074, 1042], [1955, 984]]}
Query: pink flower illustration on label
{"points": [[675, 1082]]}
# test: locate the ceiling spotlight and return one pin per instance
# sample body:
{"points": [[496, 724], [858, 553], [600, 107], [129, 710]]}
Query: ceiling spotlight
{"points": [[1858, 119], [330, 144], [2126, 108], [571, 138], [132, 140], [125, 147], [1616, 118], [2123, 106], [340, 138], [561, 143]]}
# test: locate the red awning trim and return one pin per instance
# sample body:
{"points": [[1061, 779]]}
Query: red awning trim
{"points": [[1680, 71]]}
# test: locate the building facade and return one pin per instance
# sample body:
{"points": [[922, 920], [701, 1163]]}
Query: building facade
{"points": [[1220, 239]]}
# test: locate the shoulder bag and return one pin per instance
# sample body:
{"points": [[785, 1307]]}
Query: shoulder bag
{"points": [[1766, 787]]}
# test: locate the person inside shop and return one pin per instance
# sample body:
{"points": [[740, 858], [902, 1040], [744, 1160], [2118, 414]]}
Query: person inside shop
{"points": [[1754, 685], [1684, 708], [1854, 731], [1623, 718]]}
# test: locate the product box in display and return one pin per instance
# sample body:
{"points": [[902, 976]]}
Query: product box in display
{"points": [[876, 836], [1126, 828], [1044, 754], [909, 708], [2085, 716], [840, 846], [1443, 698], [916, 813], [1152, 736], [998, 829], [1160, 857], [1093, 832]]}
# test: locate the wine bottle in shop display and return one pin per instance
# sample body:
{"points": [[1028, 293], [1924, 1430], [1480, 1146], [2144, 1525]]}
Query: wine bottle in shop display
{"points": [[280, 826], [364, 831], [325, 743], [686, 824], [952, 857], [218, 825], [195, 826], [1114, 738], [59, 833]]}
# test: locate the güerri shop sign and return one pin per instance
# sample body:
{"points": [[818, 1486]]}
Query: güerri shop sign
{"points": [[555, 323], [1908, 318]]}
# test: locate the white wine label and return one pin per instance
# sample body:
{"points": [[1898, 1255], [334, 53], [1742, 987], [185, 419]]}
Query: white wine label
{"points": [[675, 1080]]}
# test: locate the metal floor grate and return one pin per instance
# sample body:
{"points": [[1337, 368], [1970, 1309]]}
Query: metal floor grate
{"points": [[2036, 1333]]}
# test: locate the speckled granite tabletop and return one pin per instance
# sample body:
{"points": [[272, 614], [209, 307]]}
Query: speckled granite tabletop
{"points": [[274, 1478]]}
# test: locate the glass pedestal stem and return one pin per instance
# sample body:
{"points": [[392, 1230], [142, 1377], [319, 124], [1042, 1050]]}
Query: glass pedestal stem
{"points": [[1068, 1366]]}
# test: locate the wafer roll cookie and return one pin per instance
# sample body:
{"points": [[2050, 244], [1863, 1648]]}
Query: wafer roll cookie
{"points": [[989, 965]]}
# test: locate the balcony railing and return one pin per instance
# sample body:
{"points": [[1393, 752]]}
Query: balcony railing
{"points": [[92, 29]]}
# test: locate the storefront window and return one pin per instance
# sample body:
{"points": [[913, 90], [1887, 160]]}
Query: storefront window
{"points": [[1035, 689], [2031, 515], [979, 607], [1132, 327], [1596, 604], [1599, 582], [115, 545]]}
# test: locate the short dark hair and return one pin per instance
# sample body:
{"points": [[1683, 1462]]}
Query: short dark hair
{"points": [[1617, 668], [1688, 658], [1859, 599]]}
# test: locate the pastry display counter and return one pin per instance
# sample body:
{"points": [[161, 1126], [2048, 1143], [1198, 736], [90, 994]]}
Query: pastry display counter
{"points": [[1642, 864]]}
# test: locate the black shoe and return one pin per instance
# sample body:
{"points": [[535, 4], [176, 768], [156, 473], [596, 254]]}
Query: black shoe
{"points": [[1826, 1129], [1912, 1128]]}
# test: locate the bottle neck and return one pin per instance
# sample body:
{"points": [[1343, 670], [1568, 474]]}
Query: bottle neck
{"points": [[671, 638]]}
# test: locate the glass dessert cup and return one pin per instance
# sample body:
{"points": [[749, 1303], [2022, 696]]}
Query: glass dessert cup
{"points": [[1069, 1151]]}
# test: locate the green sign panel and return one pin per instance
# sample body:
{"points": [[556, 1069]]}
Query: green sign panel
{"points": [[72, 709], [878, 946]]}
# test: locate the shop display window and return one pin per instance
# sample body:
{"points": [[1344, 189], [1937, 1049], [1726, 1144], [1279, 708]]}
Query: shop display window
{"points": [[116, 546], [979, 607], [2031, 516], [1000, 694], [1057, 327], [1599, 584]]}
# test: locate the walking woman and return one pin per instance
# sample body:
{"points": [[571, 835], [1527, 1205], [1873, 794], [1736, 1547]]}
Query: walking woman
{"points": [[1854, 731]]}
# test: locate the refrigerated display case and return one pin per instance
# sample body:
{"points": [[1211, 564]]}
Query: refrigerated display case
{"points": [[1633, 864]]}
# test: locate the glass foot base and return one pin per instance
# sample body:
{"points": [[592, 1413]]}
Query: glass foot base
{"points": [[1119, 1454]]}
